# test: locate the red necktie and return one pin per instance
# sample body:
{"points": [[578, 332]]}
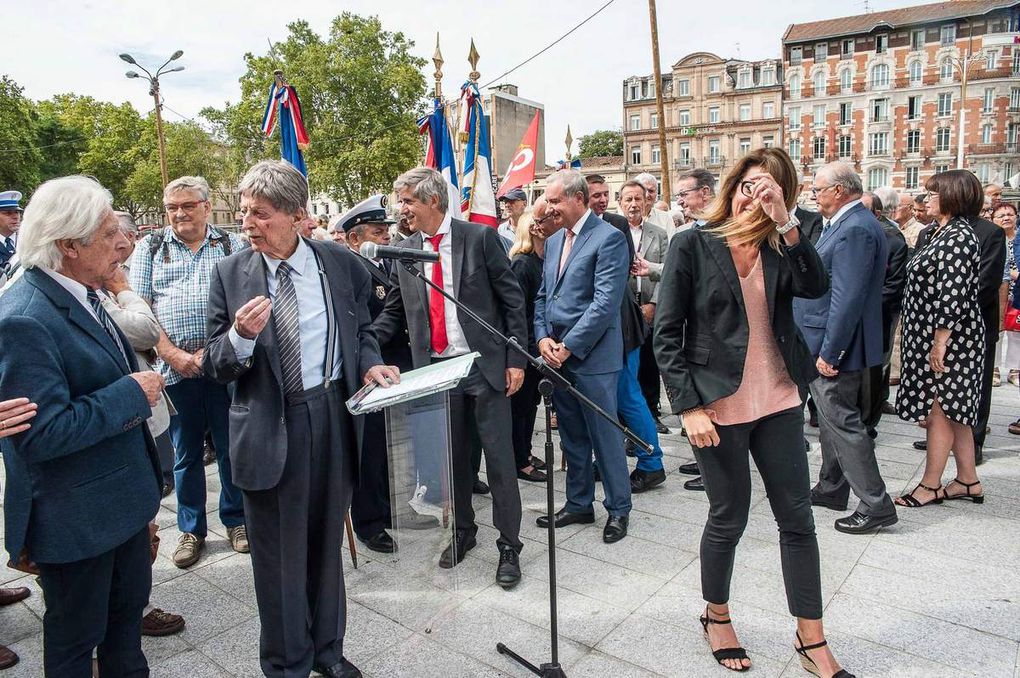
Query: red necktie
{"points": [[437, 303]]}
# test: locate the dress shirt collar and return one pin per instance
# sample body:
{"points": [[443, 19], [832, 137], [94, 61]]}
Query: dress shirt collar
{"points": [[638, 227], [843, 210], [297, 261], [444, 228], [75, 288], [576, 228]]}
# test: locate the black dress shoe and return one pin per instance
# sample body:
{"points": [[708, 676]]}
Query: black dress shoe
{"points": [[479, 487], [508, 572], [342, 669], [538, 463], [532, 476], [812, 420], [464, 543], [380, 543], [565, 517], [642, 481], [615, 529], [920, 445], [818, 499], [873, 433], [858, 523], [695, 485], [661, 428], [888, 408], [690, 469]]}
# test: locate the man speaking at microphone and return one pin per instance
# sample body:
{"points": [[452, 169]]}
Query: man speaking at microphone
{"points": [[289, 324], [473, 268]]}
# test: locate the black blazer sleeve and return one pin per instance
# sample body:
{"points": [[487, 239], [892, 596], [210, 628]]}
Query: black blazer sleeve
{"points": [[508, 293], [895, 272], [391, 321], [676, 290]]}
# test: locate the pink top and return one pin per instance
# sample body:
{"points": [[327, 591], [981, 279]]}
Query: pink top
{"points": [[766, 387]]}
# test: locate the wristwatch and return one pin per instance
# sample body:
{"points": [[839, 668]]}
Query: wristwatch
{"points": [[791, 224]]}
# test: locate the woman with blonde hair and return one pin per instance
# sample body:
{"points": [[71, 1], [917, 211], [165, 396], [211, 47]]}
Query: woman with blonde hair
{"points": [[526, 257], [735, 365]]}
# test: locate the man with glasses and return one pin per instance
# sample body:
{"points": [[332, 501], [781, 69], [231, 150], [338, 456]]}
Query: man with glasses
{"points": [[843, 329], [171, 270]]}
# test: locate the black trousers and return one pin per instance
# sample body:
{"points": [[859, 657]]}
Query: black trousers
{"points": [[875, 380], [97, 603], [295, 531], [473, 399], [524, 409], [985, 406], [648, 377], [776, 444], [370, 503]]}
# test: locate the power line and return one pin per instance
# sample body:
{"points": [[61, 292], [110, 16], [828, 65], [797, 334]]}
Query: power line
{"points": [[444, 104]]}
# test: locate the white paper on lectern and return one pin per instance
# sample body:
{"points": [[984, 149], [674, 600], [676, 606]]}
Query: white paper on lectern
{"points": [[414, 384]]}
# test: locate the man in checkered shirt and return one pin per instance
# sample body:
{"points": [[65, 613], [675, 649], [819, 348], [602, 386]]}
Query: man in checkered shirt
{"points": [[170, 269]]}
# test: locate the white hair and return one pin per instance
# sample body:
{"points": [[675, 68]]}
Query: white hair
{"points": [[424, 183], [68, 208], [198, 184], [890, 200], [646, 178]]}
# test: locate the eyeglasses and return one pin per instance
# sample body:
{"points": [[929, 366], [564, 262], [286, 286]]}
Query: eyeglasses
{"points": [[815, 190], [929, 195], [542, 220], [186, 206], [683, 194]]}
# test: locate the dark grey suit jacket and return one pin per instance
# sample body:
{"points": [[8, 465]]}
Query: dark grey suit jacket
{"points": [[258, 434], [483, 281]]}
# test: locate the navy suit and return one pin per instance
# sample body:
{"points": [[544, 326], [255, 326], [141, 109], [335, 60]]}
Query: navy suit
{"points": [[581, 308], [83, 482], [844, 328]]}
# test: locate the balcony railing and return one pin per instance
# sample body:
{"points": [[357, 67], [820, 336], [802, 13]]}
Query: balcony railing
{"points": [[715, 161]]}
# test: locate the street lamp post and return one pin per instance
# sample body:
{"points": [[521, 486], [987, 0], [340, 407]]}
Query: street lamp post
{"points": [[154, 92]]}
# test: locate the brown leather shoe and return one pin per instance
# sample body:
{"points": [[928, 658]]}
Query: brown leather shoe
{"points": [[160, 623], [7, 657], [11, 596], [238, 537]]}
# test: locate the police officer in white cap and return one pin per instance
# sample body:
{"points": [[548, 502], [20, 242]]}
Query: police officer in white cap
{"points": [[370, 505], [10, 219]]}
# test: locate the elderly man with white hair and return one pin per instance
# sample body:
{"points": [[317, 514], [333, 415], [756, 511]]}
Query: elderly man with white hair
{"points": [[653, 214], [84, 480]]}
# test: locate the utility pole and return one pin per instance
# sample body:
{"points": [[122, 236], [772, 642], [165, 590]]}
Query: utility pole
{"points": [[663, 150], [154, 93]]}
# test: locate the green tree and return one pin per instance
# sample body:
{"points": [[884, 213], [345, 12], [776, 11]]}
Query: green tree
{"points": [[361, 92], [21, 164], [190, 150], [601, 142], [112, 139]]}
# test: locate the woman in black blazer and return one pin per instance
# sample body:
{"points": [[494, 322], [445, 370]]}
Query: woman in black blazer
{"points": [[735, 365]]}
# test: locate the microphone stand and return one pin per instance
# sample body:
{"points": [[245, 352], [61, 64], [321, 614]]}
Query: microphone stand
{"points": [[551, 380]]}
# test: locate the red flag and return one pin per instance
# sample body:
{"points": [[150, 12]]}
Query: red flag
{"points": [[522, 167]]}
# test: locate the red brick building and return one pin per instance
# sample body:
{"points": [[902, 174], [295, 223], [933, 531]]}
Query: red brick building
{"points": [[883, 91]]}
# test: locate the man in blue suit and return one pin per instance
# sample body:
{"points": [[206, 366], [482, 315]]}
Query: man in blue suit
{"points": [[84, 481], [577, 327], [843, 329]]}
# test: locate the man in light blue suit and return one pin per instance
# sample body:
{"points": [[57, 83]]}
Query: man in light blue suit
{"points": [[577, 327], [843, 329]]}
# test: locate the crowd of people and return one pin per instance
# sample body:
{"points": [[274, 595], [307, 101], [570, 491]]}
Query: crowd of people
{"points": [[123, 358]]}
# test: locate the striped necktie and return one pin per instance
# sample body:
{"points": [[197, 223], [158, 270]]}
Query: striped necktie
{"points": [[107, 322], [288, 333]]}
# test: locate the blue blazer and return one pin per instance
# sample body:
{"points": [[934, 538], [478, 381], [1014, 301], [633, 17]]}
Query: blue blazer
{"points": [[85, 477], [581, 308], [844, 326]]}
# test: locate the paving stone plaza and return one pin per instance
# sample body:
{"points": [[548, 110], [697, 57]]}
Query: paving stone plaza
{"points": [[936, 595]]}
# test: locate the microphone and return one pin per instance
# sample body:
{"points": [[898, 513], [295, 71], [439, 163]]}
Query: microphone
{"points": [[373, 251]]}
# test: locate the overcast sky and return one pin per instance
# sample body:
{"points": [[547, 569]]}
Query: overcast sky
{"points": [[54, 46]]}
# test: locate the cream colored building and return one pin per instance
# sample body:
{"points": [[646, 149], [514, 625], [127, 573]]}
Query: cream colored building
{"points": [[716, 110]]}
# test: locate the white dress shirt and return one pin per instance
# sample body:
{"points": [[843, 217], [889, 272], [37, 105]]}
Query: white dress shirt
{"points": [[76, 289], [457, 342], [313, 322]]}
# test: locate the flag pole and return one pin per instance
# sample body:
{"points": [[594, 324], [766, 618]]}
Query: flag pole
{"points": [[473, 77], [663, 149]]}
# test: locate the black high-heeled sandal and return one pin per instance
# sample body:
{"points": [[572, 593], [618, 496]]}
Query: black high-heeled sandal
{"points": [[722, 654], [809, 664], [976, 498], [910, 501]]}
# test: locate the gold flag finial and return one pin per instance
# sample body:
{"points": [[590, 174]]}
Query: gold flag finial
{"points": [[473, 57], [437, 59], [569, 141]]}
